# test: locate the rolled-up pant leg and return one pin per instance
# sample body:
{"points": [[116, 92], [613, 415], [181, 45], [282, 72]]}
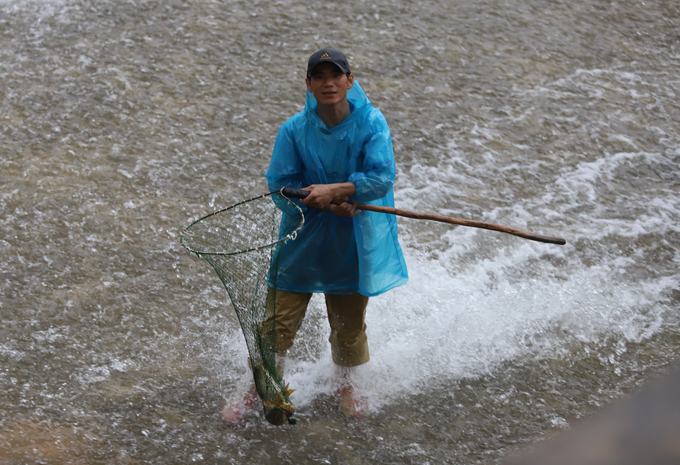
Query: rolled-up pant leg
{"points": [[346, 315], [290, 310]]}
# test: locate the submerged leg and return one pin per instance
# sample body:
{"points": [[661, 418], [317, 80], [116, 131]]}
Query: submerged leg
{"points": [[349, 347], [240, 405], [350, 403]]}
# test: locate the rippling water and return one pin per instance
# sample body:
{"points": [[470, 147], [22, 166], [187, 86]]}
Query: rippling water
{"points": [[123, 121]]}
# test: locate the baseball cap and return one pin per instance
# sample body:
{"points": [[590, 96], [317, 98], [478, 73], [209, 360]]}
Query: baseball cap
{"points": [[328, 55]]}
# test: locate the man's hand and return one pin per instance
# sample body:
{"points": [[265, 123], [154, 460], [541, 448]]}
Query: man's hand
{"points": [[332, 197], [321, 195], [345, 208]]}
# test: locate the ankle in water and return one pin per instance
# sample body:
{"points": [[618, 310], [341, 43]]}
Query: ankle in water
{"points": [[349, 403], [239, 406]]}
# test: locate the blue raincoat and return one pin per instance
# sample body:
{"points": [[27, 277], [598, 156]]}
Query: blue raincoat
{"points": [[334, 254]]}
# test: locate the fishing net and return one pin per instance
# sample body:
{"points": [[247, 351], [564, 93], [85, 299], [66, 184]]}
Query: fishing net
{"points": [[242, 243]]}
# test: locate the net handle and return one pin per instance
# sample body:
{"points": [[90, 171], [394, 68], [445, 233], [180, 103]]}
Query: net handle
{"points": [[301, 194]]}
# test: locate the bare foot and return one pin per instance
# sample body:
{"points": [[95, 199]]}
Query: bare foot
{"points": [[349, 403], [239, 406]]}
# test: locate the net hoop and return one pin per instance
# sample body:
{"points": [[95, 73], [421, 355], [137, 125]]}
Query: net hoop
{"points": [[291, 236]]}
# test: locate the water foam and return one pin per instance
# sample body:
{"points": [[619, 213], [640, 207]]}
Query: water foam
{"points": [[477, 299], [447, 327]]}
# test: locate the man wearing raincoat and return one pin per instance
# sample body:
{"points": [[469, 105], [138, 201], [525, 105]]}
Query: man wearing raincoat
{"points": [[339, 148]]}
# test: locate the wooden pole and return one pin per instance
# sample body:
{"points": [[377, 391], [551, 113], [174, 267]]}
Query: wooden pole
{"points": [[301, 194], [462, 222]]}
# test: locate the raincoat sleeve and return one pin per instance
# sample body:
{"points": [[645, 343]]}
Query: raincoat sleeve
{"points": [[375, 177], [285, 168]]}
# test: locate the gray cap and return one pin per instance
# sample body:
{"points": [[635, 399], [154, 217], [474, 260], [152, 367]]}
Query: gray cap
{"points": [[328, 55]]}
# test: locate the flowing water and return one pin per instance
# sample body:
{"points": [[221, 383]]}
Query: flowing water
{"points": [[122, 121]]}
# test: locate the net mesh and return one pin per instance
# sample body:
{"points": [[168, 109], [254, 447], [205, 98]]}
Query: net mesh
{"points": [[242, 244]]}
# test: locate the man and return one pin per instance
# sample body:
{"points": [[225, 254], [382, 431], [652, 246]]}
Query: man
{"points": [[339, 149]]}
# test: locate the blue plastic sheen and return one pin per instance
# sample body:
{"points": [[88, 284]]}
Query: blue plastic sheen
{"points": [[333, 254]]}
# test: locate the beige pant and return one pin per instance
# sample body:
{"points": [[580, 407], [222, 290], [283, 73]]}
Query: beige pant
{"points": [[346, 314]]}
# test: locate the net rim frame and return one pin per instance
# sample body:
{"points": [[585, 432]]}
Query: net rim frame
{"points": [[292, 235]]}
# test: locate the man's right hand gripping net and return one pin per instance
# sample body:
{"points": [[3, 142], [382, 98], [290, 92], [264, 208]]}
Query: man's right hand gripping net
{"points": [[242, 243]]}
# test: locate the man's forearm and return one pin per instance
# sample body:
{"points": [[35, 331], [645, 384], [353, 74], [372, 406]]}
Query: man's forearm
{"points": [[344, 189]]}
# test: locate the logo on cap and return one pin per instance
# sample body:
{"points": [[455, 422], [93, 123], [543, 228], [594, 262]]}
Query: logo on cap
{"points": [[325, 56]]}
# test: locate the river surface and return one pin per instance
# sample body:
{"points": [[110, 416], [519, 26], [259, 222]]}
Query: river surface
{"points": [[123, 121]]}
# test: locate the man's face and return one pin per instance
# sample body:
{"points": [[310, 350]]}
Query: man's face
{"points": [[329, 84]]}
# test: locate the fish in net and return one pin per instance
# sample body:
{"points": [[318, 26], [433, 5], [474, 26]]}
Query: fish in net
{"points": [[242, 243]]}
